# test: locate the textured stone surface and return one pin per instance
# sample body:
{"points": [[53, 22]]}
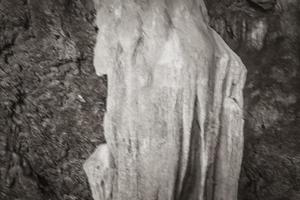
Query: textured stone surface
{"points": [[271, 163], [174, 120], [264, 4], [32, 161], [51, 102], [100, 169]]}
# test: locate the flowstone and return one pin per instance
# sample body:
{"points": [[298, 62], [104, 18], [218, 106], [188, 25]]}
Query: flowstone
{"points": [[174, 119]]}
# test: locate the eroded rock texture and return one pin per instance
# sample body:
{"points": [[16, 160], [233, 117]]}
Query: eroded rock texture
{"points": [[174, 119], [51, 102], [268, 42], [39, 162]]}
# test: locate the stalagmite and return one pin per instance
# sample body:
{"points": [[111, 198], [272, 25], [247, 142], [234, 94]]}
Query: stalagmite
{"points": [[174, 119]]}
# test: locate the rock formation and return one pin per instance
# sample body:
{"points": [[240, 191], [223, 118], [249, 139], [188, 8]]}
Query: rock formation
{"points": [[271, 161], [51, 100], [264, 4], [52, 103], [174, 120]]}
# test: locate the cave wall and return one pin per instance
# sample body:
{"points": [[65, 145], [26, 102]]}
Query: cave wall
{"points": [[52, 103], [265, 34]]}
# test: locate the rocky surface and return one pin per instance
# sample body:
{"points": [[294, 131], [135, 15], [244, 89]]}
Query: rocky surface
{"points": [[52, 103], [47, 130], [101, 172], [268, 42], [174, 118]]}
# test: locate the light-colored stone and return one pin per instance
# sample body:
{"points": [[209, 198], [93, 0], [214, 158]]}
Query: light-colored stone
{"points": [[257, 33], [174, 120], [100, 171]]}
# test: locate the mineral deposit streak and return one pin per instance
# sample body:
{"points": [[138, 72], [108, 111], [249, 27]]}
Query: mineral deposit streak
{"points": [[174, 119]]}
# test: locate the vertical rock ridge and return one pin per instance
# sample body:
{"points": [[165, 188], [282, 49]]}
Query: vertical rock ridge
{"points": [[174, 108]]}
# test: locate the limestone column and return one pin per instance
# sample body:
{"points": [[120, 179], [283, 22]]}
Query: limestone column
{"points": [[174, 119]]}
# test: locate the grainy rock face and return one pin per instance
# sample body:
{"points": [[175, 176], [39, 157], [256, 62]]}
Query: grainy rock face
{"points": [[269, 45], [51, 102], [264, 4], [46, 52], [174, 120]]}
